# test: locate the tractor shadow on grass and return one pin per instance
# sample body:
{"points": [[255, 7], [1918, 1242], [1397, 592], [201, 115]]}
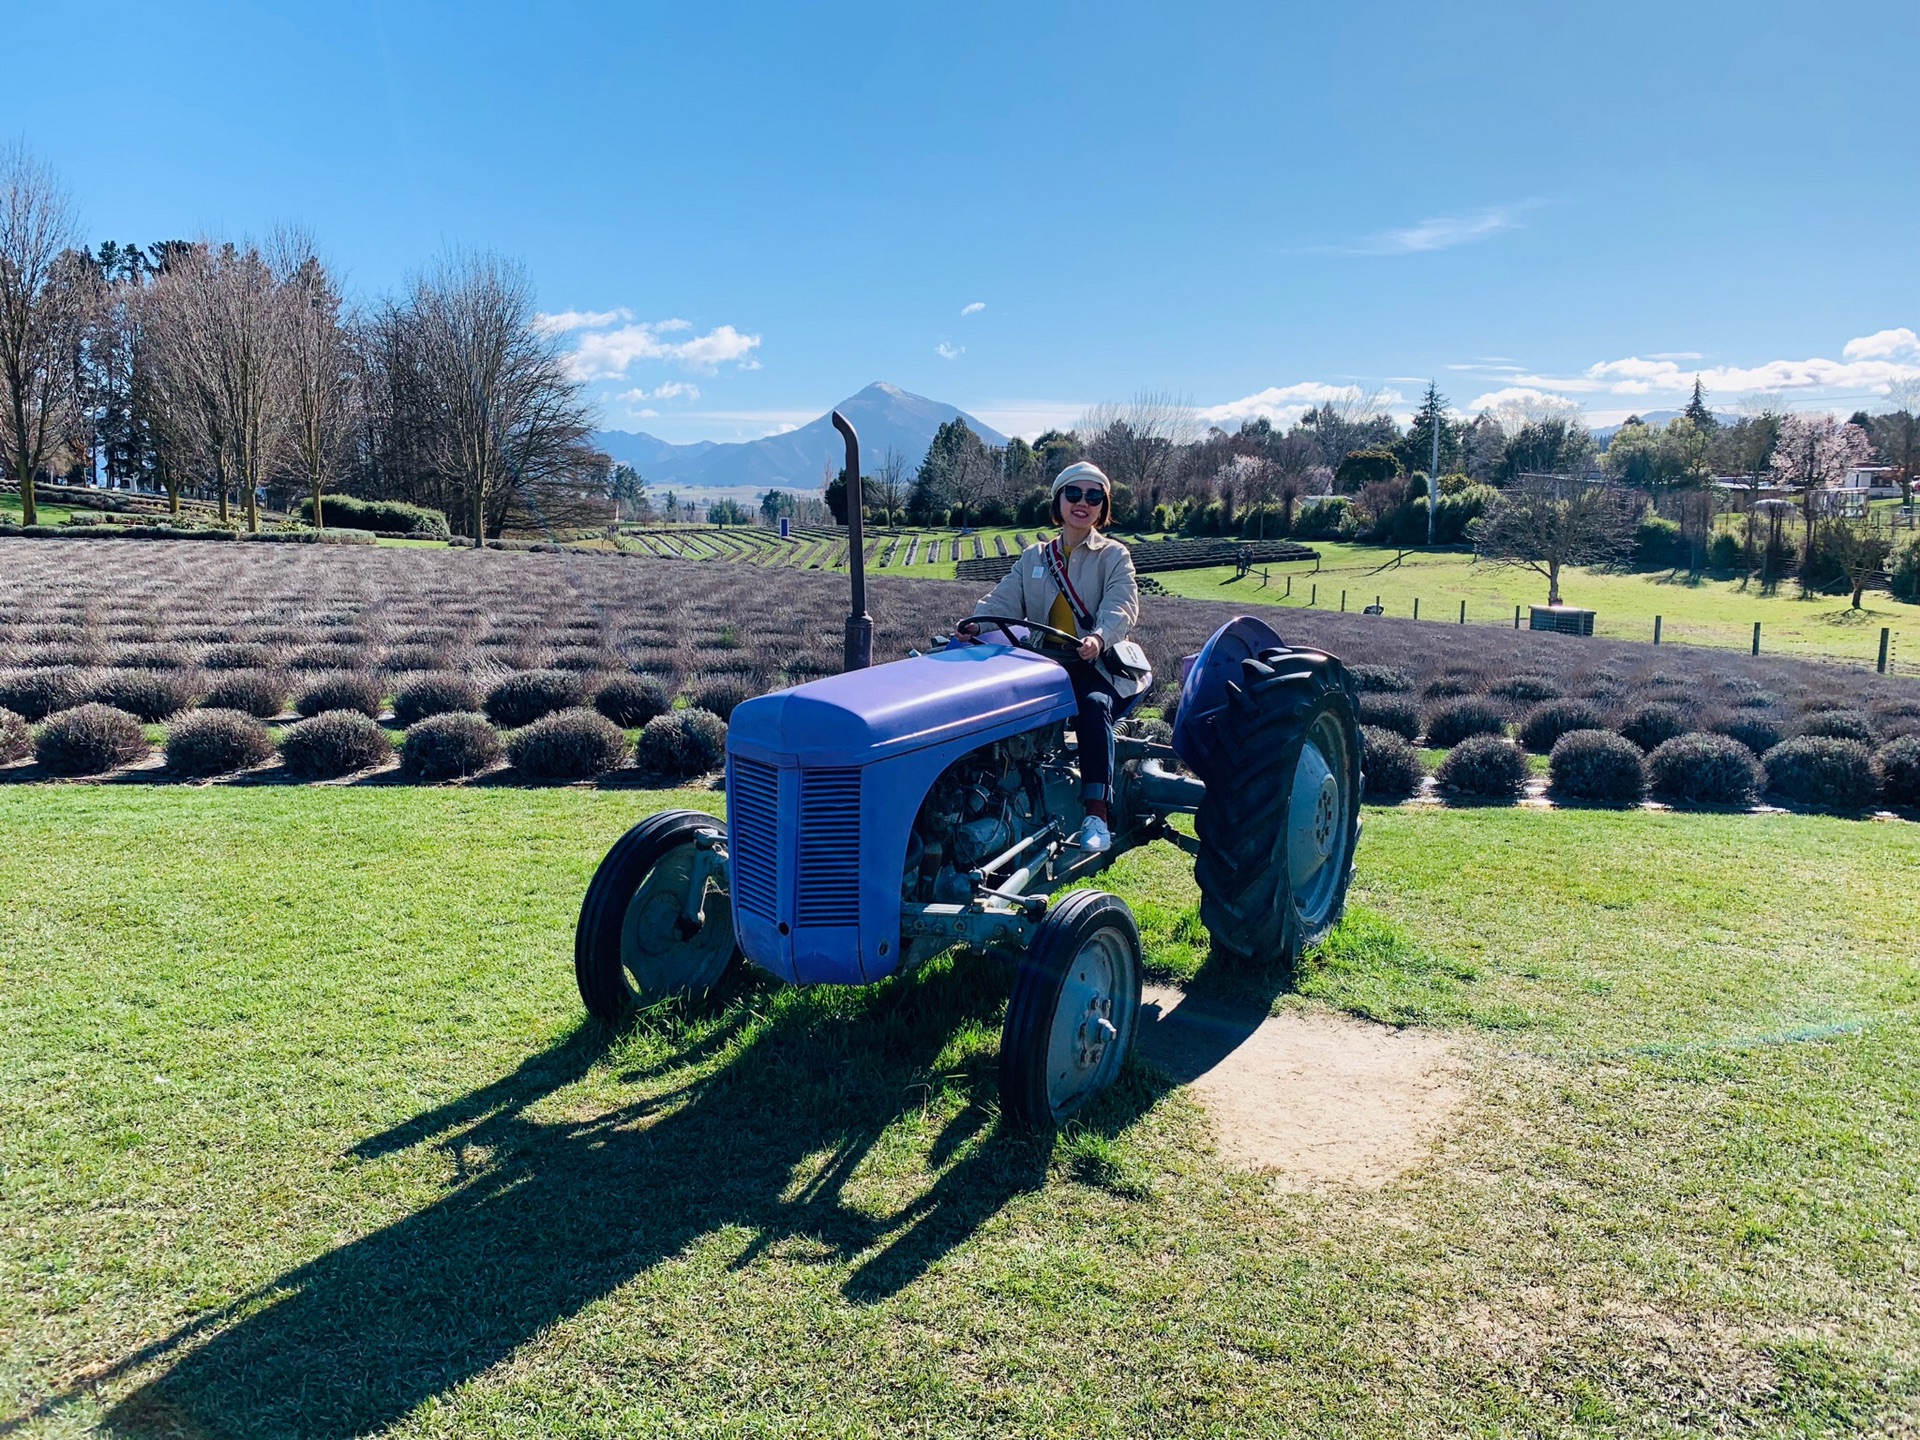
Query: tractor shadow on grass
{"points": [[759, 1124]]}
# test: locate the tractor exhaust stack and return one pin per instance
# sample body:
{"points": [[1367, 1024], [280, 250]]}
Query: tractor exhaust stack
{"points": [[858, 654]]}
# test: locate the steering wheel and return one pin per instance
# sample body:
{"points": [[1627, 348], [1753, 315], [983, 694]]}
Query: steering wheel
{"points": [[1005, 624]]}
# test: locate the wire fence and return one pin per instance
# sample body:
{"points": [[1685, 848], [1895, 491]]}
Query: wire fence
{"points": [[1880, 648]]}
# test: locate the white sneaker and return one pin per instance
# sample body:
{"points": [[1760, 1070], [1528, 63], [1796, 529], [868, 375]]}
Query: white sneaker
{"points": [[1094, 835]]}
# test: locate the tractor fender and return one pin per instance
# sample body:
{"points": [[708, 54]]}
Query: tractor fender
{"points": [[1203, 691]]}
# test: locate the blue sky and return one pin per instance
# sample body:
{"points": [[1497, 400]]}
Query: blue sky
{"points": [[744, 213]]}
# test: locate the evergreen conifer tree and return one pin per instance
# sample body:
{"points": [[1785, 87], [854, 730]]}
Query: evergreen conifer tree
{"points": [[1697, 410]]}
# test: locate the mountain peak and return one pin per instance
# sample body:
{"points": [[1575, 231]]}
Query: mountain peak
{"points": [[887, 418]]}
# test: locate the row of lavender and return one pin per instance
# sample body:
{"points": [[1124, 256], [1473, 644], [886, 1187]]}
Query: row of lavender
{"points": [[1603, 767], [1605, 745]]}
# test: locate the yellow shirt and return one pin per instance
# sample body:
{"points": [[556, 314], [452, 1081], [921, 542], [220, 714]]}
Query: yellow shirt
{"points": [[1061, 615]]}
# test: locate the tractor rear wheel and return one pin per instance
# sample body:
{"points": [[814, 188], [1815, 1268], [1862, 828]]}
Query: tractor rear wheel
{"points": [[1277, 845], [631, 946], [1074, 1012]]}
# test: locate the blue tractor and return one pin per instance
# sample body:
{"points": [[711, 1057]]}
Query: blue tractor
{"points": [[881, 816]]}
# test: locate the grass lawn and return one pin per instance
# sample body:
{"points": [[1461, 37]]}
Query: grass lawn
{"points": [[810, 551], [301, 1133], [1712, 612], [11, 511]]}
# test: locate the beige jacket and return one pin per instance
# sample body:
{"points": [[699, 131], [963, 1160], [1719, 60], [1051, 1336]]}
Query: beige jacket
{"points": [[1100, 568]]}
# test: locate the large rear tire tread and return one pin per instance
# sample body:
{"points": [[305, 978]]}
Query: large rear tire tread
{"points": [[1246, 894], [1024, 1041], [604, 987]]}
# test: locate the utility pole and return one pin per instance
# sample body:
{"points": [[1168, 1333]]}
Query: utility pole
{"points": [[1433, 470]]}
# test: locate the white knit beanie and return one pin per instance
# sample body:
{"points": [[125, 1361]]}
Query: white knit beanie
{"points": [[1081, 472]]}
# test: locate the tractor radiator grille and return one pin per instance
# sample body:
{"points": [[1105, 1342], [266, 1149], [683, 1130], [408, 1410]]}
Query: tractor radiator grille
{"points": [[829, 872], [753, 836]]}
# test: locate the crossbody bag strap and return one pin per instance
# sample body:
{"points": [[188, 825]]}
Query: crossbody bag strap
{"points": [[1058, 565]]}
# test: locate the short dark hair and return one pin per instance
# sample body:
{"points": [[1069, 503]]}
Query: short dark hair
{"points": [[1106, 506]]}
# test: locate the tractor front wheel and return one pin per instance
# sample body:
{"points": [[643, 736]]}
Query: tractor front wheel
{"points": [[634, 945], [1074, 1012], [1277, 844]]}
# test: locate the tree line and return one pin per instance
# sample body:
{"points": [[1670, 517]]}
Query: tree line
{"points": [[1347, 469], [238, 374]]}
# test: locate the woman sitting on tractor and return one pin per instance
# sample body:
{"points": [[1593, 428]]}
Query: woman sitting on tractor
{"points": [[1081, 583]]}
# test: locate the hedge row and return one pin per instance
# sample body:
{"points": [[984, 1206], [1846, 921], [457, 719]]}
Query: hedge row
{"points": [[387, 516], [1450, 718], [572, 744], [1603, 767]]}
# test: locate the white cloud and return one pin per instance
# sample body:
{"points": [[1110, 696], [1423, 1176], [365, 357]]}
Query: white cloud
{"points": [[608, 354], [671, 390], [1283, 404], [568, 320], [1872, 363], [949, 352], [1524, 401], [1883, 345], [974, 309], [1443, 232]]}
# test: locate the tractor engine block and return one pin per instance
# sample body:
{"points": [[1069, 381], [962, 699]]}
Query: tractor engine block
{"points": [[985, 802]]}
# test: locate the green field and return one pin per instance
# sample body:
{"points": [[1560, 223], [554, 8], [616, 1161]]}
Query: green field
{"points": [[44, 514], [888, 549], [1711, 612], [301, 1134]]}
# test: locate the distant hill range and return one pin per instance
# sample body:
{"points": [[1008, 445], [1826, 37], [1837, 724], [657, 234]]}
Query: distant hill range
{"points": [[885, 416]]}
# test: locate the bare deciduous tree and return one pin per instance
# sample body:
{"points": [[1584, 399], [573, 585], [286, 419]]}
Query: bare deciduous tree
{"points": [[889, 484], [1545, 523], [1858, 550], [1745, 448], [318, 364], [504, 424], [1136, 444], [1298, 471], [42, 314], [220, 334], [1353, 419], [973, 477], [1897, 434]]}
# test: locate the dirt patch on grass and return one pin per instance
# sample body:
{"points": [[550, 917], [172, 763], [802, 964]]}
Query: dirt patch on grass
{"points": [[1316, 1098]]}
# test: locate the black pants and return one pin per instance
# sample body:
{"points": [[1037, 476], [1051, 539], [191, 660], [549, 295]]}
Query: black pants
{"points": [[1094, 727]]}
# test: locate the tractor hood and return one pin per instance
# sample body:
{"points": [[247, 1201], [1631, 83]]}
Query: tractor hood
{"points": [[868, 715]]}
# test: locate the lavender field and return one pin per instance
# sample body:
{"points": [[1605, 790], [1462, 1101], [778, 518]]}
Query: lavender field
{"points": [[380, 641]]}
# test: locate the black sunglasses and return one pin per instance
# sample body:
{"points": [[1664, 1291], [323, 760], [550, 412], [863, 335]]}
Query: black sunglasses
{"points": [[1073, 495]]}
